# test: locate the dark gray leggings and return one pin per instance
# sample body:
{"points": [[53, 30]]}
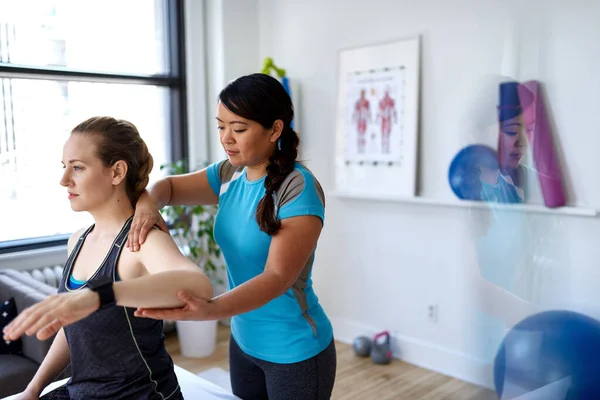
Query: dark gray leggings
{"points": [[254, 379]]}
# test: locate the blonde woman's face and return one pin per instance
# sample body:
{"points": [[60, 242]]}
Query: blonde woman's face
{"points": [[88, 182]]}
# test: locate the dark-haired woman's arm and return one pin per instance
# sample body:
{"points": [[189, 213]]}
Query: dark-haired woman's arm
{"points": [[290, 249], [186, 189]]}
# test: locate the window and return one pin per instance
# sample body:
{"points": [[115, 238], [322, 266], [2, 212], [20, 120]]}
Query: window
{"points": [[62, 61]]}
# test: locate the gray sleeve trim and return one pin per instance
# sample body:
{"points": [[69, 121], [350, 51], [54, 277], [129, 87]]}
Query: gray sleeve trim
{"points": [[293, 186], [320, 191], [226, 171]]}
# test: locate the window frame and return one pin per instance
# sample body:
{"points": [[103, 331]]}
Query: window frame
{"points": [[175, 81]]}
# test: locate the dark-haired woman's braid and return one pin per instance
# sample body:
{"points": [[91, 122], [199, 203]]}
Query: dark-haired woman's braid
{"points": [[281, 163]]}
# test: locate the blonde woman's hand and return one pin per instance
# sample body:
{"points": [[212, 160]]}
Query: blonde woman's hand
{"points": [[47, 317], [27, 395], [146, 216]]}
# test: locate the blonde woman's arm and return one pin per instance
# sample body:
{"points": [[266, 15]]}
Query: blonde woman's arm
{"points": [[168, 273]]}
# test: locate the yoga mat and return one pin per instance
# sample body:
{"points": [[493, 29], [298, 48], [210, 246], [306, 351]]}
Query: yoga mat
{"points": [[542, 146]]}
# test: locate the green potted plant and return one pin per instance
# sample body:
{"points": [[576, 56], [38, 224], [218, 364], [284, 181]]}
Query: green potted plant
{"points": [[192, 229]]}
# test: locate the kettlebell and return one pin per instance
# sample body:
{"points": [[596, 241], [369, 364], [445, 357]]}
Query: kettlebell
{"points": [[362, 346], [381, 352]]}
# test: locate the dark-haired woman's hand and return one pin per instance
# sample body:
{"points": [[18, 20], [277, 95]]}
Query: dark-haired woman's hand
{"points": [[195, 309], [146, 216]]}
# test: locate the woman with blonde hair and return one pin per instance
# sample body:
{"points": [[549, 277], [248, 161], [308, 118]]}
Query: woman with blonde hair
{"points": [[112, 353]]}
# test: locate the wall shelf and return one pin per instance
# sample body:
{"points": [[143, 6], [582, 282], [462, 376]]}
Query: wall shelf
{"points": [[533, 208]]}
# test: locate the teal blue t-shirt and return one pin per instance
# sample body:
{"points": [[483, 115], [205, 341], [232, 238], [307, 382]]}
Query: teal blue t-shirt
{"points": [[292, 327]]}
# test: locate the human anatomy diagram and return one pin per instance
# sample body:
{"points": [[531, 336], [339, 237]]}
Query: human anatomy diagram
{"points": [[361, 117], [387, 115], [374, 126]]}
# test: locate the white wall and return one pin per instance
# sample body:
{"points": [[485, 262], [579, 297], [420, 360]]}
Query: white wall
{"points": [[221, 44], [380, 265], [232, 50], [196, 74]]}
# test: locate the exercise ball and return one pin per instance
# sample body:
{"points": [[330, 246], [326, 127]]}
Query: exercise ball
{"points": [[464, 171], [552, 349], [362, 346]]}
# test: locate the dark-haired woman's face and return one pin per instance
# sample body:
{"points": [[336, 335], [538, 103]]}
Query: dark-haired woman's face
{"points": [[246, 142], [514, 142]]}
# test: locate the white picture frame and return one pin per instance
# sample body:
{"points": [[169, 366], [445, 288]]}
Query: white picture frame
{"points": [[377, 119]]}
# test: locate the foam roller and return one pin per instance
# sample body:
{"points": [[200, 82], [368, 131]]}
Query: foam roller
{"points": [[542, 146]]}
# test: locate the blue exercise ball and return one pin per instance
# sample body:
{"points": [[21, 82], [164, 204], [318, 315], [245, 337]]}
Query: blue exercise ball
{"points": [[548, 347], [464, 171]]}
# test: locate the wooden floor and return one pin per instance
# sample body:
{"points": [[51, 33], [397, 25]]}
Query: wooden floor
{"points": [[357, 378]]}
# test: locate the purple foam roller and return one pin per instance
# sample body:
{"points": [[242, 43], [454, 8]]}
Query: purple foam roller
{"points": [[542, 146]]}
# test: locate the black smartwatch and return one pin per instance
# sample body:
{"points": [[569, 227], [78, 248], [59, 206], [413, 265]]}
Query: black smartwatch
{"points": [[103, 285]]}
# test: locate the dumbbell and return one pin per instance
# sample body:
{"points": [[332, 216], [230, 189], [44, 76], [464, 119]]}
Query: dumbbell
{"points": [[362, 346], [380, 353]]}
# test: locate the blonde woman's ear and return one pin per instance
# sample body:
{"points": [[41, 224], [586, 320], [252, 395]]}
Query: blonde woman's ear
{"points": [[119, 171]]}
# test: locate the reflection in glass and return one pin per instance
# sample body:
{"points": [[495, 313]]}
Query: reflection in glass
{"points": [[516, 267], [506, 184]]}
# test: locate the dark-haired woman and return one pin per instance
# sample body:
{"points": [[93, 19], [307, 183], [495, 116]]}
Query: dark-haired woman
{"points": [[271, 213]]}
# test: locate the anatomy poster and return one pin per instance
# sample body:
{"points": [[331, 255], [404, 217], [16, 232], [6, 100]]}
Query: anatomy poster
{"points": [[374, 104], [377, 114]]}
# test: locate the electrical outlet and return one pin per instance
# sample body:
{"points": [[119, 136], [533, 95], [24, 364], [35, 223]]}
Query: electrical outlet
{"points": [[432, 313]]}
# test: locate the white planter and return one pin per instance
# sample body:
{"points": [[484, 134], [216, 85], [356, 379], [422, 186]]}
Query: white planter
{"points": [[197, 339]]}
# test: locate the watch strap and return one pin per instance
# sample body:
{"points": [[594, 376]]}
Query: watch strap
{"points": [[104, 287]]}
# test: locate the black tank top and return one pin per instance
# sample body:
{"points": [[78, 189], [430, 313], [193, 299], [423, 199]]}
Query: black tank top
{"points": [[115, 355]]}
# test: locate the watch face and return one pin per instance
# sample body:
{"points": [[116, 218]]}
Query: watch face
{"points": [[99, 282], [103, 286]]}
